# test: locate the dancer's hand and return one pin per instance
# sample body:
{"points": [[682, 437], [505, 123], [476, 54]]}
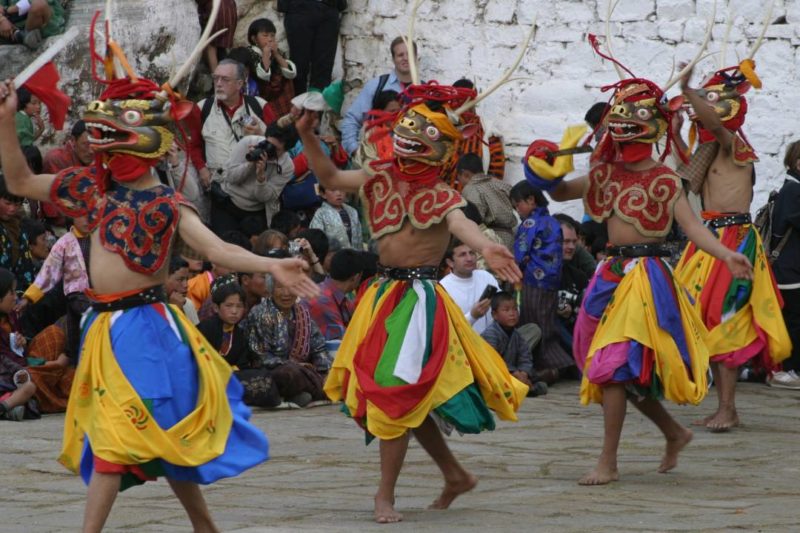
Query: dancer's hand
{"points": [[500, 261], [291, 273], [306, 122], [686, 77], [8, 100], [739, 266]]}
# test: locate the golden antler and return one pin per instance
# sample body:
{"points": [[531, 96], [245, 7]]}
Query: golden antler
{"points": [[409, 40], [612, 5], [205, 39]]}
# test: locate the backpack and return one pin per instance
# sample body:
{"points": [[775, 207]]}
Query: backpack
{"points": [[381, 84], [764, 222]]}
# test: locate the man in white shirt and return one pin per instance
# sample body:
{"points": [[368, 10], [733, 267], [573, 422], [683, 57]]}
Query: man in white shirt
{"points": [[466, 283]]}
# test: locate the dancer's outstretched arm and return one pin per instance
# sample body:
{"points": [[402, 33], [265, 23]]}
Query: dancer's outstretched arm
{"points": [[498, 257], [20, 180], [289, 272]]}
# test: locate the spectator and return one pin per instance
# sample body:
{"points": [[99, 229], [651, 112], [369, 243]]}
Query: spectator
{"points": [[270, 240], [227, 18], [397, 80], [30, 125], [337, 219], [466, 285], [514, 347], [314, 246], [274, 72], [199, 287], [312, 29], [196, 266], [29, 21], [334, 306], [226, 118], [16, 387], [581, 258], [75, 152], [258, 170], [537, 248], [595, 235], [379, 144], [290, 344], [255, 289], [39, 241], [288, 223], [53, 378], [177, 287], [490, 196], [224, 332], [66, 265], [786, 230], [573, 280], [15, 253]]}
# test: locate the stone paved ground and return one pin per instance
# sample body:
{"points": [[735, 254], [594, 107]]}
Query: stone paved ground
{"points": [[322, 477]]}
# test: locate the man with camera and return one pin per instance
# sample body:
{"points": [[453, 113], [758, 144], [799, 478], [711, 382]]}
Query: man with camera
{"points": [[258, 169], [573, 280], [470, 287]]}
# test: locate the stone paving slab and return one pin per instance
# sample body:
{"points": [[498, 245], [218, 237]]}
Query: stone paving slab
{"points": [[322, 477]]}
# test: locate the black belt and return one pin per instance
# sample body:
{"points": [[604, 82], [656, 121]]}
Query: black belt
{"points": [[730, 220], [146, 296], [423, 272], [639, 250]]}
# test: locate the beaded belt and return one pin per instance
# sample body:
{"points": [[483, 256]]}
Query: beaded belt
{"points": [[730, 220], [146, 296], [422, 272], [639, 250]]}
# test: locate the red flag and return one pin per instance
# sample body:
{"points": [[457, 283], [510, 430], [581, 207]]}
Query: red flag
{"points": [[44, 84]]}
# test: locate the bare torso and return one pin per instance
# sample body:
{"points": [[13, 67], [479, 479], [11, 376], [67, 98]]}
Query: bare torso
{"points": [[412, 247], [621, 233], [728, 188], [109, 274]]}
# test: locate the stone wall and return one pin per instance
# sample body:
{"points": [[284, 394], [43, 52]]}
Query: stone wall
{"points": [[479, 39]]}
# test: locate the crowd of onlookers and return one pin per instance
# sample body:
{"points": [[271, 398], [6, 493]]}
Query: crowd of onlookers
{"points": [[241, 163]]}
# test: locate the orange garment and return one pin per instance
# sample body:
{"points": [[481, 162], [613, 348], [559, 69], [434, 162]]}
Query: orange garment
{"points": [[200, 289], [53, 382]]}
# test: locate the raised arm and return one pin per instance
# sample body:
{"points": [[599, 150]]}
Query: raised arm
{"points": [[738, 264], [20, 180], [569, 189], [289, 272], [324, 169], [498, 257]]}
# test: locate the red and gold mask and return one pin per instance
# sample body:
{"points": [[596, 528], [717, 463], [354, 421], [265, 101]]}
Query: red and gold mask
{"points": [[724, 91]]}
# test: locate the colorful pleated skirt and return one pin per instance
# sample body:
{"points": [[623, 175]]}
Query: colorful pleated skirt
{"points": [[637, 327], [743, 317], [409, 352], [152, 398]]}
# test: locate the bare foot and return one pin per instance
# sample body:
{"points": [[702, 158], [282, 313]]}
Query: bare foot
{"points": [[453, 490], [674, 446], [600, 475], [385, 513], [705, 421], [723, 421]]}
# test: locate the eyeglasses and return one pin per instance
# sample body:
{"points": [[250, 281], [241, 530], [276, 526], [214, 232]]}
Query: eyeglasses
{"points": [[223, 79]]}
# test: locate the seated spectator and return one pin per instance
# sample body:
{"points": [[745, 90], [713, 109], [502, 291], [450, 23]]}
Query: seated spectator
{"points": [[53, 378], [595, 235], [16, 387], [315, 247], [195, 266], [378, 143], [65, 267], [255, 289], [224, 332], [581, 257], [15, 252], [337, 219], [505, 335], [287, 222], [274, 72], [39, 241], [199, 287], [466, 285], [29, 21], [490, 195], [75, 152], [282, 333], [30, 125], [177, 286], [397, 81], [257, 173], [270, 240], [334, 306], [573, 281], [227, 18]]}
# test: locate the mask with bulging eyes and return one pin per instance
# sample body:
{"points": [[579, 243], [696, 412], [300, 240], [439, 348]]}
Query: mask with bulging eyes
{"points": [[635, 117], [421, 135], [134, 127]]}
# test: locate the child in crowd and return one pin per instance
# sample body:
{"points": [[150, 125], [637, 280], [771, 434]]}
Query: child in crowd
{"points": [[514, 344], [270, 240], [337, 219], [274, 71], [16, 387], [226, 335], [177, 287]]}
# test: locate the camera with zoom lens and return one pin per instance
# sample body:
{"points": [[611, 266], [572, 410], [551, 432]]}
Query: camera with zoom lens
{"points": [[264, 147]]}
